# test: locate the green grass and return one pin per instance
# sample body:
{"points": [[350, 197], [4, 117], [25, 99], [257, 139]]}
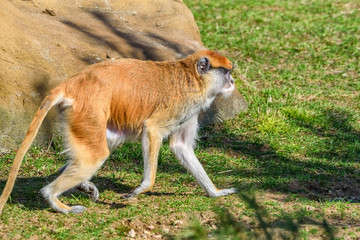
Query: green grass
{"points": [[297, 149]]}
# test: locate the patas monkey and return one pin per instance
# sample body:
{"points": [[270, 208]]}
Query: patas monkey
{"points": [[122, 100]]}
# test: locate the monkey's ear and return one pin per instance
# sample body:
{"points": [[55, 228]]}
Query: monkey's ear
{"points": [[203, 65]]}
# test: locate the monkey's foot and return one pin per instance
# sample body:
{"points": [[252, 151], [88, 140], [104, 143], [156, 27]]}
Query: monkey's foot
{"points": [[144, 187], [223, 192], [77, 209], [74, 209], [129, 195], [90, 189]]}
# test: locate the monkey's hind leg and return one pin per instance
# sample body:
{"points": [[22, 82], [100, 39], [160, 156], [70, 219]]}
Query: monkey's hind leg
{"points": [[86, 187], [80, 170]]}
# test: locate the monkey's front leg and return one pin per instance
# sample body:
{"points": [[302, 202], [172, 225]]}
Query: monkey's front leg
{"points": [[182, 145], [151, 142]]}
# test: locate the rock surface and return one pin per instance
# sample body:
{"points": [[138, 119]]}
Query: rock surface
{"points": [[43, 42]]}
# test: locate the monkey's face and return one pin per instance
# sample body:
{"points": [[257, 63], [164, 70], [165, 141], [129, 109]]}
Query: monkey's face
{"points": [[219, 78]]}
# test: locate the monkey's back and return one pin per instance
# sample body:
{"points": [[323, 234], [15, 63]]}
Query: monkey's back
{"points": [[128, 92]]}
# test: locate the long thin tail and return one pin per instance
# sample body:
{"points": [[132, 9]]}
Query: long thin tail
{"points": [[45, 106]]}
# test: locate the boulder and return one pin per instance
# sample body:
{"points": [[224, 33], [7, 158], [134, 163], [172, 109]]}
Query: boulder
{"points": [[44, 42]]}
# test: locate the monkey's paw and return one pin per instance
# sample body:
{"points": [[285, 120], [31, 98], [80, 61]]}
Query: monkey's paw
{"points": [[90, 189]]}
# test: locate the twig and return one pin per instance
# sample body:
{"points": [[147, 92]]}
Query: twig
{"points": [[225, 171]]}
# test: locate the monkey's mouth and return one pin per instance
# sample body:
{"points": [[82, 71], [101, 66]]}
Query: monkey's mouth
{"points": [[228, 87]]}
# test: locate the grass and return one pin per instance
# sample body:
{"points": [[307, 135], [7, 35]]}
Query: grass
{"points": [[294, 155]]}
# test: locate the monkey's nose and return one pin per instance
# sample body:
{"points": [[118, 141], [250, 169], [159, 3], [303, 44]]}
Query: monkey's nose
{"points": [[232, 81]]}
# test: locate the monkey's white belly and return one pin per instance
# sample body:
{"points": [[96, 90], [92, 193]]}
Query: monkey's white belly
{"points": [[116, 138]]}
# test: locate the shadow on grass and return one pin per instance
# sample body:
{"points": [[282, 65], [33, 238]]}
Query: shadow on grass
{"points": [[341, 139], [262, 227], [27, 190], [314, 179]]}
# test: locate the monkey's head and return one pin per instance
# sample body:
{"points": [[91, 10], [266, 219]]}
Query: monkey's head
{"points": [[216, 70]]}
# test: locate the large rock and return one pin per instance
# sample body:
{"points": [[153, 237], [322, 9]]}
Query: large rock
{"points": [[43, 42]]}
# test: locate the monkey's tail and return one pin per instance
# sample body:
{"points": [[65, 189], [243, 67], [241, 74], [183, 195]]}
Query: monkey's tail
{"points": [[45, 106]]}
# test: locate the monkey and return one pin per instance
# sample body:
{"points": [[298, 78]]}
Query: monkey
{"points": [[121, 100]]}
